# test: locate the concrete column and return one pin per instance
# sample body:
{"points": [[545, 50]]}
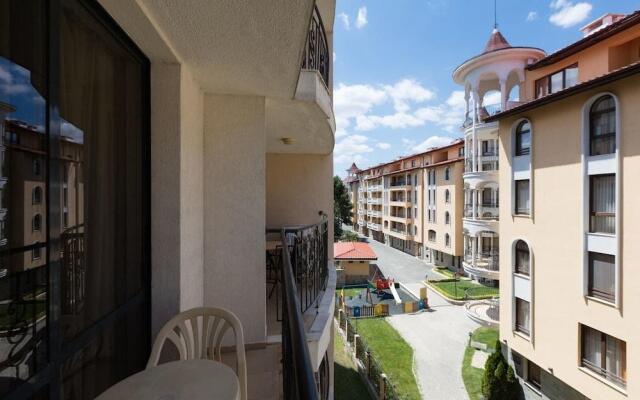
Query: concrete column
{"points": [[176, 189], [474, 204], [474, 250], [503, 94], [234, 218]]}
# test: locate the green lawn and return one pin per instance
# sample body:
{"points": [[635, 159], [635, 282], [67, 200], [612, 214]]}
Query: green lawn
{"points": [[488, 336], [392, 352], [456, 290], [348, 384], [472, 376], [446, 272], [350, 291]]}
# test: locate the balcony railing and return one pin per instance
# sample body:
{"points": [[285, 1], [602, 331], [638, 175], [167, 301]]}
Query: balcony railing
{"points": [[73, 270], [606, 374], [316, 54], [304, 274], [489, 110]]}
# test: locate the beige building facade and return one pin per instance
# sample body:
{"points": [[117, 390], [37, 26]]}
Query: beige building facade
{"points": [[569, 162], [414, 204]]}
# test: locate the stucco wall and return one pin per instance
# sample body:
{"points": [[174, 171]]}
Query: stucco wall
{"points": [[555, 233], [234, 216], [176, 185], [298, 187]]}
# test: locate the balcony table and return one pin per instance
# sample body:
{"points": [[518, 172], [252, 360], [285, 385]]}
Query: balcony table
{"points": [[273, 244], [190, 379]]}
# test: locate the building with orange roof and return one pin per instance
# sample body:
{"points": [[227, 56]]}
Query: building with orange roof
{"points": [[353, 262]]}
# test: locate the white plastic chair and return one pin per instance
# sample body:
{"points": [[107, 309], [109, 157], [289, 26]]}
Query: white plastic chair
{"points": [[198, 334]]}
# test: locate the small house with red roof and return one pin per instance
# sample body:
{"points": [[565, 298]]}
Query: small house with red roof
{"points": [[353, 262]]}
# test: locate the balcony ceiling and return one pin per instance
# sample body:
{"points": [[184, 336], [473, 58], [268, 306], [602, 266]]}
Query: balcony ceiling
{"points": [[232, 46]]}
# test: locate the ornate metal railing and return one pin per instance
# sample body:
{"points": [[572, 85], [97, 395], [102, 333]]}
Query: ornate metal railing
{"points": [[316, 53], [73, 270], [304, 275]]}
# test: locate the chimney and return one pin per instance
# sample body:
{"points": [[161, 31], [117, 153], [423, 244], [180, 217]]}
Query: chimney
{"points": [[601, 23]]}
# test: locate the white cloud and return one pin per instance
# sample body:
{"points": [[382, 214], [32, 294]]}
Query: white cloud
{"points": [[433, 141], [408, 90], [334, 56], [15, 88], [448, 115], [383, 145], [345, 20], [361, 19], [532, 16], [351, 149], [568, 14], [354, 103], [5, 76]]}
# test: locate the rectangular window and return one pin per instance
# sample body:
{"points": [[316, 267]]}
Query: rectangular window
{"points": [[604, 355], [602, 276], [602, 200], [522, 316], [522, 197], [533, 374], [557, 81]]}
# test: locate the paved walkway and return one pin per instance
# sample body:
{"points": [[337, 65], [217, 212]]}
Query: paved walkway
{"points": [[438, 336]]}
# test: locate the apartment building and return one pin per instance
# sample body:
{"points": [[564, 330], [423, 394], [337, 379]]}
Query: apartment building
{"points": [[352, 183], [569, 166], [492, 82], [150, 151], [415, 204]]}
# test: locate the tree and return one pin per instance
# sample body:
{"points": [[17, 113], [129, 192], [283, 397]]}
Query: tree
{"points": [[499, 381], [349, 236], [341, 207]]}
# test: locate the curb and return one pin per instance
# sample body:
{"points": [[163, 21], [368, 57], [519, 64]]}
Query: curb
{"points": [[448, 300]]}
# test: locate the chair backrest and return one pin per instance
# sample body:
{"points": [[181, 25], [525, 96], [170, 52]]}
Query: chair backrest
{"points": [[198, 334]]}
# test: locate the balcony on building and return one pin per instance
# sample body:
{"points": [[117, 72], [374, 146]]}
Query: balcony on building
{"points": [[190, 107], [481, 255]]}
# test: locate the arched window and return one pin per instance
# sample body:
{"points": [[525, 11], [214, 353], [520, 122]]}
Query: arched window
{"points": [[602, 126], [432, 235], [447, 172], [37, 223], [447, 196], [522, 258], [447, 218], [36, 195], [447, 240], [523, 139]]}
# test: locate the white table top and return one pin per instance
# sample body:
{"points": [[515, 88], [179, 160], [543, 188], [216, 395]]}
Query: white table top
{"points": [[191, 379]]}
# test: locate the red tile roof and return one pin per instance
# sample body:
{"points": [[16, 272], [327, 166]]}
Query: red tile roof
{"points": [[496, 42], [353, 251]]}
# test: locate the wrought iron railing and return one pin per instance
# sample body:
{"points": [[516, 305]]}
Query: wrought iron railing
{"points": [[73, 271], [316, 54], [304, 275]]}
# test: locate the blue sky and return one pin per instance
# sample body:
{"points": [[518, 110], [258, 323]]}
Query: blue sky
{"points": [[393, 92]]}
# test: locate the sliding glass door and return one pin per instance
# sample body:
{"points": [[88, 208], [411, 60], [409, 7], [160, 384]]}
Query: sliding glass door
{"points": [[74, 201]]}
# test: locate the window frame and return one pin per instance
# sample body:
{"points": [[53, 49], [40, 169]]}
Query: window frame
{"points": [[593, 213], [601, 369], [519, 150], [610, 135], [598, 294], [547, 79], [517, 326], [517, 268], [516, 209]]}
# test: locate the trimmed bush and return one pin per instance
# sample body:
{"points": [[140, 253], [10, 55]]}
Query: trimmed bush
{"points": [[499, 381]]}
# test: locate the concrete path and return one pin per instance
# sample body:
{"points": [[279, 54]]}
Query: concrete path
{"points": [[438, 336], [401, 266]]}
